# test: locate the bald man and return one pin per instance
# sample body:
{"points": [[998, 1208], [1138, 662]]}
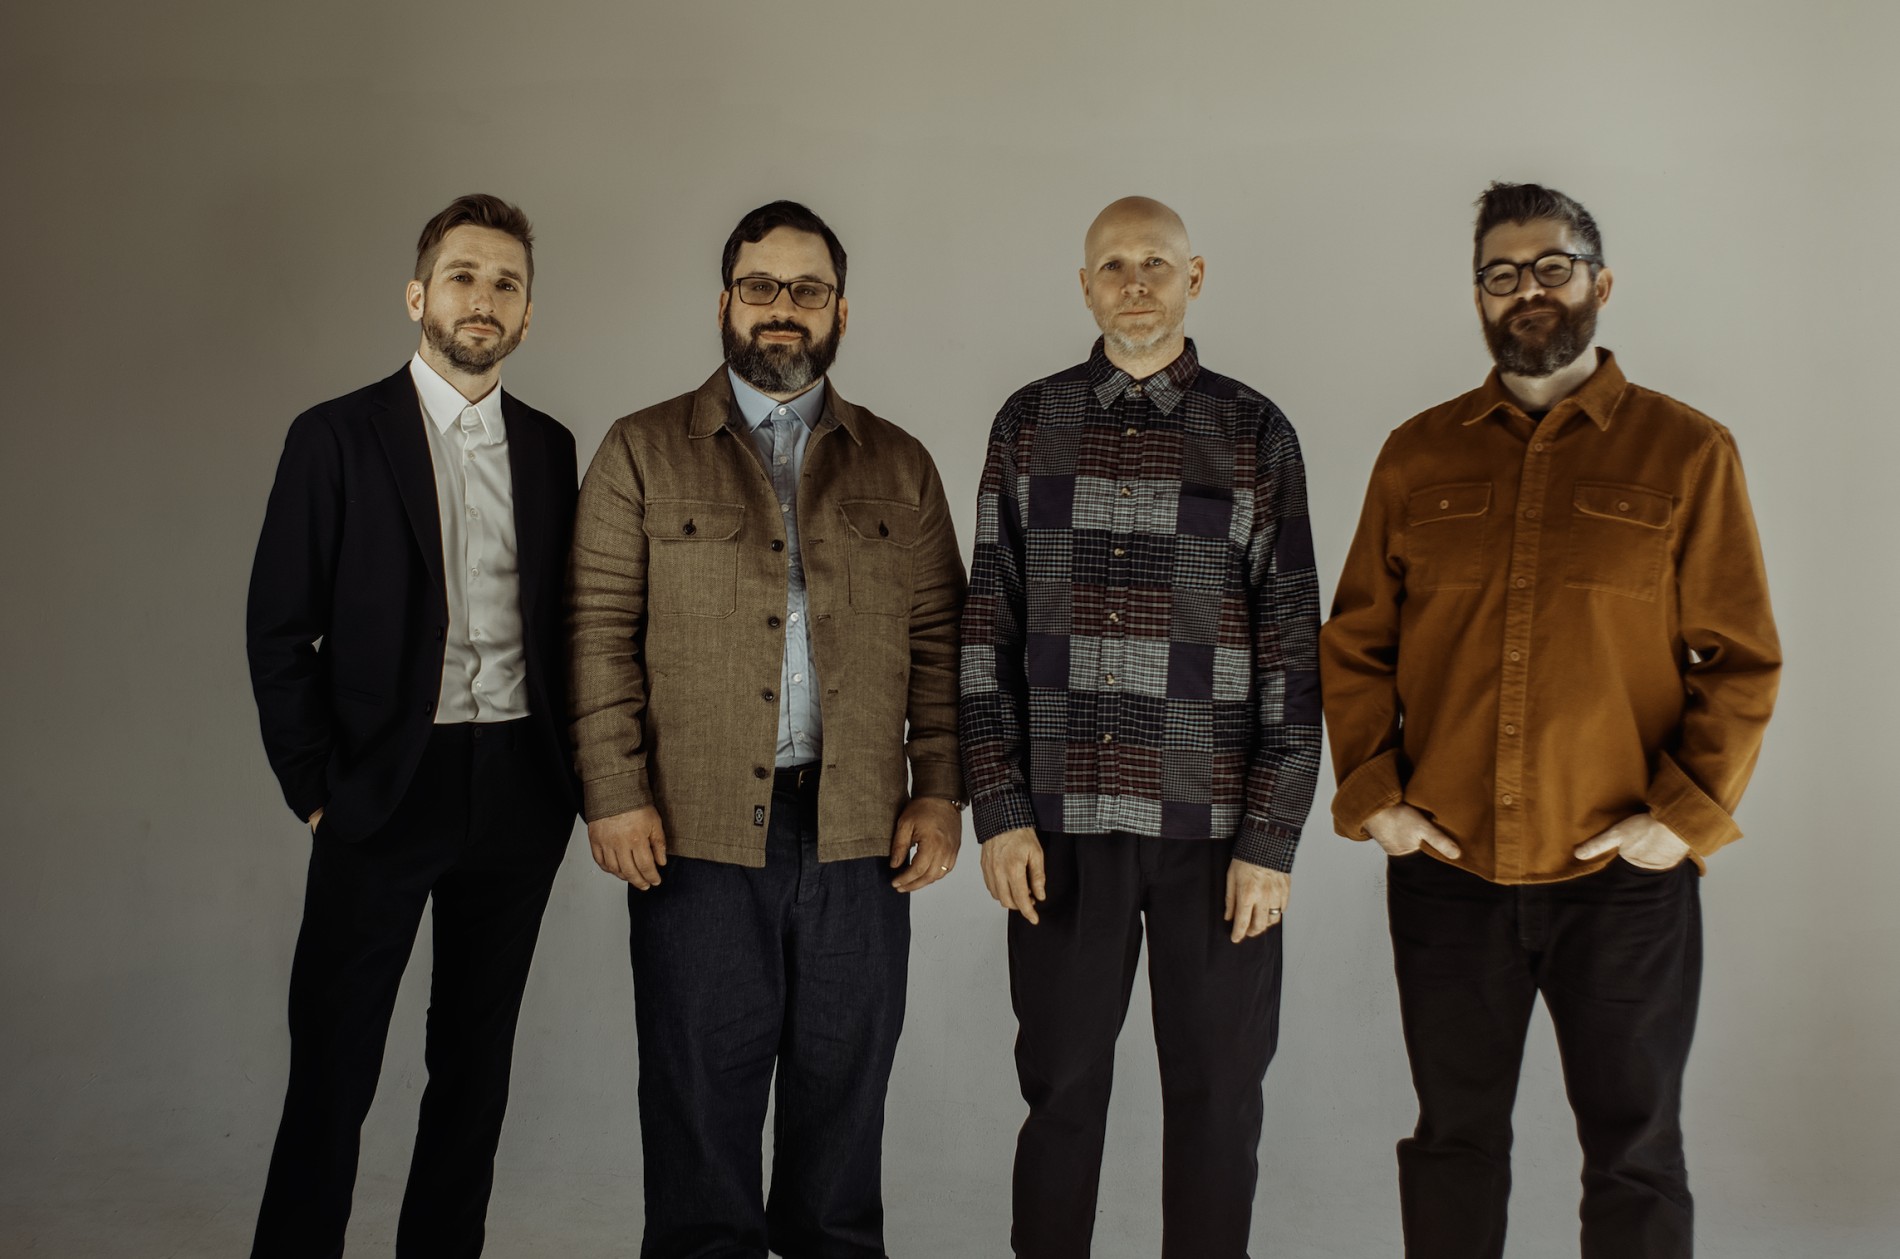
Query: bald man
{"points": [[1140, 731]]}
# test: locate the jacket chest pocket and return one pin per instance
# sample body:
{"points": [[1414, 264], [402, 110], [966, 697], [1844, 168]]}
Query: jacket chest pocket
{"points": [[880, 541], [692, 556], [1444, 536], [1619, 539]]}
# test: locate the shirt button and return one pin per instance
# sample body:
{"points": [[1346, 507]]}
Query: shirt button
{"points": [[798, 677], [772, 621], [1443, 503], [478, 684], [778, 544], [783, 460], [1520, 583], [1108, 738], [781, 411], [1110, 678], [475, 634], [1128, 491], [1135, 389], [1114, 618], [794, 618], [1530, 514], [760, 771], [1622, 507], [1507, 799], [1509, 729], [1119, 552], [468, 454], [473, 512], [475, 572], [1517, 655], [1129, 431]]}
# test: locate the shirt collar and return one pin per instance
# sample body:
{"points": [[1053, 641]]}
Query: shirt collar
{"points": [[443, 403], [1165, 388], [1597, 397], [755, 408]]}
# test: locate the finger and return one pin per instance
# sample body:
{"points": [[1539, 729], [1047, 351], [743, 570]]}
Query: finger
{"points": [[1442, 842], [1038, 876], [1593, 848], [641, 855], [901, 842], [1242, 912], [604, 859], [1021, 877], [658, 844], [1227, 914]]}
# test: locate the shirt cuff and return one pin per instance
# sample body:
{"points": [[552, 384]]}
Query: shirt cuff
{"points": [[942, 779], [617, 793], [1266, 844], [1001, 811], [1373, 786], [1678, 803]]}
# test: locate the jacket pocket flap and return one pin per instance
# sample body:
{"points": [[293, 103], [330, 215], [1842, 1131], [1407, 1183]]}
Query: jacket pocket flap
{"points": [[701, 520], [1632, 503], [883, 520], [1447, 502]]}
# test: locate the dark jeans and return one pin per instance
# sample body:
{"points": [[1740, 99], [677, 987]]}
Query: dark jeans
{"points": [[477, 831], [1216, 1020], [799, 967], [1617, 956]]}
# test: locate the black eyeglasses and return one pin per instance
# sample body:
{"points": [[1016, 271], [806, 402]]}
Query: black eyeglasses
{"points": [[763, 290], [1553, 271]]}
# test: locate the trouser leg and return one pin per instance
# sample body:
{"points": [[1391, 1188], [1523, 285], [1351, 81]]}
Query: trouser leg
{"points": [[1217, 1023], [847, 964], [1070, 976], [361, 909], [1621, 977], [709, 1000], [1465, 997]]}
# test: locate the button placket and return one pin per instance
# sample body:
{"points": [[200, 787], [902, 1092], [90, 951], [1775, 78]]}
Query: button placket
{"points": [[1520, 603]]}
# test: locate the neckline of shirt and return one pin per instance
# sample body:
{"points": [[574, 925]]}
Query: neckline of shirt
{"points": [[755, 408], [443, 404]]}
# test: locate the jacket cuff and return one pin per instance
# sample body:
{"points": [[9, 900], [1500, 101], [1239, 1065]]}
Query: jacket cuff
{"points": [[1373, 786], [1678, 803], [1266, 844], [942, 779], [617, 793], [1001, 811]]}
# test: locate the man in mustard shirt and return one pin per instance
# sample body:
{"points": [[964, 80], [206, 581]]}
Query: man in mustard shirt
{"points": [[1546, 676]]}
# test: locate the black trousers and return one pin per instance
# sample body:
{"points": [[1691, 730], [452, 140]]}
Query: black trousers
{"points": [[1216, 1019], [481, 833], [1617, 956], [796, 970]]}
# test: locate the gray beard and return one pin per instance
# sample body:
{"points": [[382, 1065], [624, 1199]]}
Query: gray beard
{"points": [[779, 368], [1576, 328]]}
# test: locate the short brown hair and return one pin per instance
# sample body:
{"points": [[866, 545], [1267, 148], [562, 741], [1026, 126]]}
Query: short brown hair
{"points": [[477, 209], [757, 225], [1526, 203]]}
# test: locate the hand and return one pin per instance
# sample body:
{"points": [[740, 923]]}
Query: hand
{"points": [[315, 818], [1402, 830], [1641, 840], [1013, 871], [1256, 898], [935, 828], [630, 846]]}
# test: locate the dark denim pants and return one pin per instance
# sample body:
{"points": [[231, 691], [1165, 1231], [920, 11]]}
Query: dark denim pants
{"points": [[798, 968], [480, 833], [1216, 1021], [1617, 956]]}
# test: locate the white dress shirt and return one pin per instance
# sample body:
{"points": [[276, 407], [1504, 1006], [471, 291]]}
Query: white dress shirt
{"points": [[484, 673]]}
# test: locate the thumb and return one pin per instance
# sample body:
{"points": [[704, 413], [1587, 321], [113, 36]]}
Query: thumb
{"points": [[1606, 842], [658, 844], [1228, 914]]}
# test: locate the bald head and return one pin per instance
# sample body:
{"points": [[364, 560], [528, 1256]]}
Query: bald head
{"points": [[1142, 218], [1137, 280]]}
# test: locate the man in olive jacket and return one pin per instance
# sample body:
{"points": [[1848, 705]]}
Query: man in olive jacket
{"points": [[765, 590]]}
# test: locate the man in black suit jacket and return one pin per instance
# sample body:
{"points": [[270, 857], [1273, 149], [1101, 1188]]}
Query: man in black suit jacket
{"points": [[406, 650]]}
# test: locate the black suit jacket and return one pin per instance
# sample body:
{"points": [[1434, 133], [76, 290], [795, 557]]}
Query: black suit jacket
{"points": [[348, 613]]}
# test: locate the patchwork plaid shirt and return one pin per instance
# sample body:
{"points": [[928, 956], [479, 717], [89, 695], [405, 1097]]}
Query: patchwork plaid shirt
{"points": [[1139, 647]]}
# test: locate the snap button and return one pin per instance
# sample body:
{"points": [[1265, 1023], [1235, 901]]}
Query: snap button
{"points": [[767, 695], [1443, 503], [778, 544], [689, 529], [772, 622], [760, 771], [883, 530]]}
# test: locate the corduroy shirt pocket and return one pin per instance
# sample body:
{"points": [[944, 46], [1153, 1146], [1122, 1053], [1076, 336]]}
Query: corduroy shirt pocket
{"points": [[1619, 539], [692, 556], [1444, 536]]}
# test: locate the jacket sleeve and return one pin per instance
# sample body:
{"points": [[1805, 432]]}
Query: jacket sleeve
{"points": [[1732, 658], [992, 711], [938, 601], [607, 587], [287, 612], [1284, 588], [1359, 657]]}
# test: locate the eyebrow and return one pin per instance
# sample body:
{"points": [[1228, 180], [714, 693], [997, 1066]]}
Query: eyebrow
{"points": [[465, 264], [1542, 253], [762, 275]]}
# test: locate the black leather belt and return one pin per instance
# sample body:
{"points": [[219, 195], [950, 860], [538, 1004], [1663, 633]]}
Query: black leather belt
{"points": [[796, 778]]}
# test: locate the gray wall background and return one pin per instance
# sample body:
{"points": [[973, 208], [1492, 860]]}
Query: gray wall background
{"points": [[210, 216]]}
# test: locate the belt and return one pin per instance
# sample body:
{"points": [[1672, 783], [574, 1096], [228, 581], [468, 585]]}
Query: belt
{"points": [[798, 779]]}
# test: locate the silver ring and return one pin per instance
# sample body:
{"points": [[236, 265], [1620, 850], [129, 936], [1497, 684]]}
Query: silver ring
{"points": [[1274, 912], [945, 869]]}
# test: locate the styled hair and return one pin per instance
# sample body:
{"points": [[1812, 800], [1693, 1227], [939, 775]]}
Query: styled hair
{"points": [[1526, 203], [477, 209], [753, 228]]}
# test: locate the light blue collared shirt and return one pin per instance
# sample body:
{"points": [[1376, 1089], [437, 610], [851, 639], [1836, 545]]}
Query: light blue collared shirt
{"points": [[782, 430]]}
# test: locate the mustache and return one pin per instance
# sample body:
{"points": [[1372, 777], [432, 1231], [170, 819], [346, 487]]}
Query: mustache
{"points": [[781, 325], [475, 321], [1530, 306]]}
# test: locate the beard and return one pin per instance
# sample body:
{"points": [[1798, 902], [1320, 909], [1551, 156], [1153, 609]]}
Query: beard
{"points": [[790, 368], [1540, 354], [1135, 344], [473, 359]]}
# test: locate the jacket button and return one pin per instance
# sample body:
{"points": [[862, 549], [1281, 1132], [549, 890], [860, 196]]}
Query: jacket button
{"points": [[772, 622], [689, 529], [778, 544], [883, 530], [767, 695], [760, 771]]}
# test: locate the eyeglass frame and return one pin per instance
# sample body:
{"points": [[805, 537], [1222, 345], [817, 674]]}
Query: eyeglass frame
{"points": [[1517, 278], [783, 286]]}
